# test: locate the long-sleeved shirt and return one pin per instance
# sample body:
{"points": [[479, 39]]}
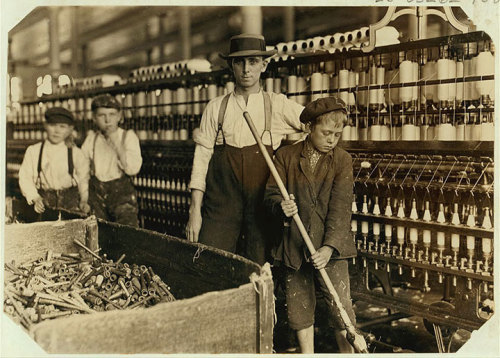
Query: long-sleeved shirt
{"points": [[284, 120], [54, 172], [105, 159]]}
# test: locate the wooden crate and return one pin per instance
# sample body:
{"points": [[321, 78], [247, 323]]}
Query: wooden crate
{"points": [[225, 302]]}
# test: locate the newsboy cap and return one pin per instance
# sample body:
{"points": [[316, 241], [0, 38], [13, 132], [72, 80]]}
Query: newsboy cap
{"points": [[245, 45], [106, 101], [59, 115], [321, 106]]}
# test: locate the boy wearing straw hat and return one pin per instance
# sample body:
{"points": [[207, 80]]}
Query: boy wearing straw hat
{"points": [[229, 173], [319, 174], [55, 173]]}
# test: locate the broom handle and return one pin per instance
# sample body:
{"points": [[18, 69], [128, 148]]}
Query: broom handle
{"points": [[343, 314]]}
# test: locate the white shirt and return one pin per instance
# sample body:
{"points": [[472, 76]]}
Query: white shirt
{"points": [[106, 164], [285, 120], [54, 174]]}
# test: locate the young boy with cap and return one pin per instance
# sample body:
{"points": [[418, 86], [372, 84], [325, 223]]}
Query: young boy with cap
{"points": [[54, 172], [319, 174], [115, 156]]}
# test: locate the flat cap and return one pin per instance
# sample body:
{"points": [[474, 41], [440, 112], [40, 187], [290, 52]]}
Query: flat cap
{"points": [[59, 115], [321, 106], [106, 101]]}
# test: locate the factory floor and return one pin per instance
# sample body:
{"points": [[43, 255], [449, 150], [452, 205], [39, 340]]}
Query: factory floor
{"points": [[404, 335]]}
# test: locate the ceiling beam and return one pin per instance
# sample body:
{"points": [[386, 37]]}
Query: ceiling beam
{"points": [[36, 15]]}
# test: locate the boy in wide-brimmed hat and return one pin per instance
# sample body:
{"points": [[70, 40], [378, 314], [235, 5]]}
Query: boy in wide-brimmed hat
{"points": [[115, 156], [319, 174], [55, 173], [229, 172]]}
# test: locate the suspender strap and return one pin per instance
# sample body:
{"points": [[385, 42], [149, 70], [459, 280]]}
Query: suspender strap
{"points": [[220, 119], [71, 167], [268, 112], [39, 166], [92, 162]]}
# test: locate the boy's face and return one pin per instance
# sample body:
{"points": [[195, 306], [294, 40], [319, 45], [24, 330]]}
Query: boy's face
{"points": [[325, 135], [247, 71], [107, 119], [58, 132]]}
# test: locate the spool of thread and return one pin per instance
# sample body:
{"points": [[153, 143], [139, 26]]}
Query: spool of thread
{"points": [[468, 71], [212, 91], [443, 90], [362, 36], [346, 132], [291, 86], [153, 109], [428, 73], [316, 43], [485, 66], [189, 99], [414, 89], [277, 85], [344, 83], [354, 133], [220, 90], [446, 131], [181, 96], [140, 102], [317, 85], [487, 131], [408, 132], [362, 97], [196, 98], [166, 99], [301, 87], [336, 42], [375, 132], [325, 86], [460, 128], [88, 108], [459, 86], [269, 84], [329, 66], [385, 132], [373, 93], [351, 101], [405, 75], [452, 87], [477, 131], [282, 48], [380, 81]]}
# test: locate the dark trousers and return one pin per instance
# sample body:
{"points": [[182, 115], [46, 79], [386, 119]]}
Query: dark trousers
{"points": [[234, 217], [68, 199], [114, 200]]}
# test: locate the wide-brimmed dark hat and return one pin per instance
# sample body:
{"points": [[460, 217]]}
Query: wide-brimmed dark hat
{"points": [[245, 45], [59, 115]]}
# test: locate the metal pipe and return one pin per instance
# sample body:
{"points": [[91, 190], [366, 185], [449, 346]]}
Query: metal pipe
{"points": [[185, 32], [288, 23], [385, 319], [251, 19]]}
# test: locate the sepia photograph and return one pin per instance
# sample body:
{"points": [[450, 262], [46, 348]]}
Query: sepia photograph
{"points": [[190, 178]]}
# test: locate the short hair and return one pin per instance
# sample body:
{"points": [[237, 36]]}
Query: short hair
{"points": [[105, 101], [338, 116]]}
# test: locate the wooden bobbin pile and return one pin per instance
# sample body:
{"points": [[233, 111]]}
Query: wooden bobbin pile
{"points": [[62, 284]]}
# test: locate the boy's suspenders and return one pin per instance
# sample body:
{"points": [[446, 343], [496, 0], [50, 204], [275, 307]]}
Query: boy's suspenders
{"points": [[267, 111], [71, 166], [92, 162]]}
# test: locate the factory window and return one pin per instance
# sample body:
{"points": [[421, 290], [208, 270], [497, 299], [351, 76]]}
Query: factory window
{"points": [[44, 85]]}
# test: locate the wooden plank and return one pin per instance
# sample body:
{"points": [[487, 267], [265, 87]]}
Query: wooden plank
{"points": [[189, 269], [27, 242], [265, 310], [216, 322]]}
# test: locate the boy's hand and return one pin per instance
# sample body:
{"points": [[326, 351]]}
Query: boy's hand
{"points": [[84, 207], [289, 207], [38, 204], [321, 257]]}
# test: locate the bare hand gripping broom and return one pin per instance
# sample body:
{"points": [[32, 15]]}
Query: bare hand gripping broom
{"points": [[354, 338]]}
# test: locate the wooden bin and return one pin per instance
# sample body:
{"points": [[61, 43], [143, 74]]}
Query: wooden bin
{"points": [[224, 302]]}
